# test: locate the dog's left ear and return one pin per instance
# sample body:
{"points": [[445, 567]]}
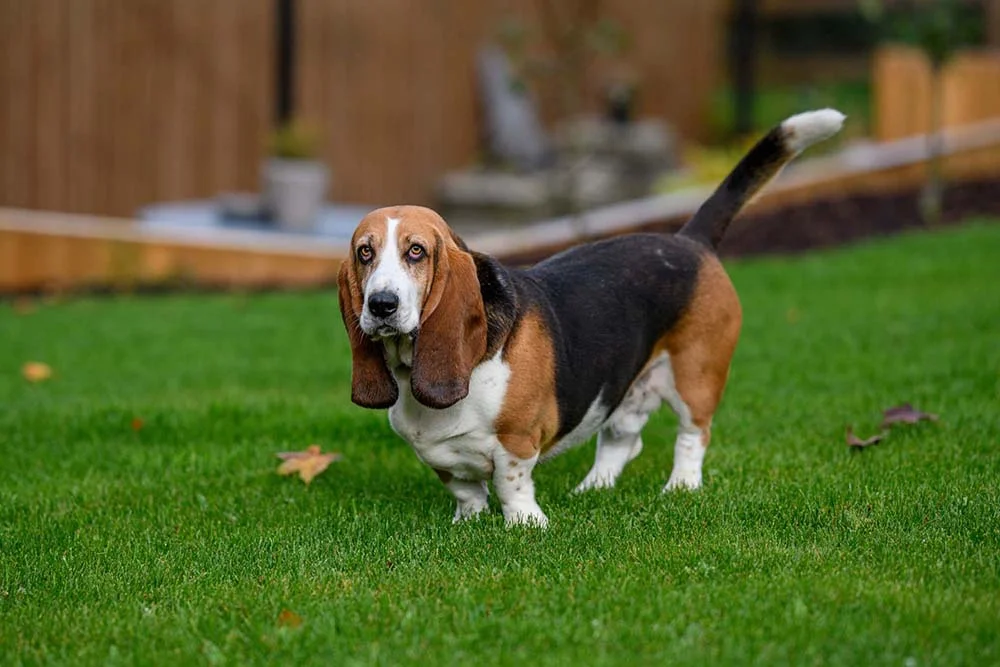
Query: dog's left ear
{"points": [[451, 340], [372, 385]]}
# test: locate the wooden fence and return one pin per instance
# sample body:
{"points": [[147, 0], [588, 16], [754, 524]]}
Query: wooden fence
{"points": [[901, 81], [112, 104]]}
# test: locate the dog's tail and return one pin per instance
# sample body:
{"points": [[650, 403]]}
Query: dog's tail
{"points": [[765, 159]]}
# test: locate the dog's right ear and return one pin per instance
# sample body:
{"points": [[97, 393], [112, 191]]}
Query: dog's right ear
{"points": [[372, 385]]}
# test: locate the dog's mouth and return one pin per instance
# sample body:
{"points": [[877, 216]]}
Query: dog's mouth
{"points": [[385, 331]]}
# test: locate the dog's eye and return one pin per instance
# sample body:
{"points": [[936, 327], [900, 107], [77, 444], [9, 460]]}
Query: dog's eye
{"points": [[415, 253], [366, 254]]}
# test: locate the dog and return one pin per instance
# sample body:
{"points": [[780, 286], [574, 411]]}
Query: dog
{"points": [[487, 370]]}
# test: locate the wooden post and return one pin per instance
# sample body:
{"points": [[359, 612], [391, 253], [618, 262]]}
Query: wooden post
{"points": [[285, 76]]}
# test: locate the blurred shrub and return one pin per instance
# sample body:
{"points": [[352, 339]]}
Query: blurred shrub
{"points": [[294, 140], [705, 165], [772, 104]]}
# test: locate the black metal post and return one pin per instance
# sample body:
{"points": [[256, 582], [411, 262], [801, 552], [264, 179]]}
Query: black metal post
{"points": [[743, 64], [284, 107]]}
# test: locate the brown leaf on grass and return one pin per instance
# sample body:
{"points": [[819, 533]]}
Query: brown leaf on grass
{"points": [[289, 619], [137, 424], [308, 463], [36, 371], [905, 414], [855, 441]]}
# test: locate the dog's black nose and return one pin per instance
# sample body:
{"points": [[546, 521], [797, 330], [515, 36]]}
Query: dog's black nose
{"points": [[383, 304]]}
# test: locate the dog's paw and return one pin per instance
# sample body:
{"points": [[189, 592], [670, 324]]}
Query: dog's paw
{"points": [[594, 481], [532, 519], [468, 511], [683, 482]]}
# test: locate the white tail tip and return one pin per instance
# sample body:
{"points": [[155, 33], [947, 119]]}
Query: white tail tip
{"points": [[805, 129]]}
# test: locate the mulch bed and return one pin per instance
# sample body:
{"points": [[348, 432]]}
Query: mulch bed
{"points": [[834, 221]]}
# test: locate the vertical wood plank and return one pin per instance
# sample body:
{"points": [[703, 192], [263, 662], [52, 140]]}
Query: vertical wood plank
{"points": [[19, 137], [81, 166], [45, 87], [225, 88], [253, 26], [6, 85]]}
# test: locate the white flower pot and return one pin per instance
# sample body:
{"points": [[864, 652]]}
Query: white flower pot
{"points": [[294, 192]]}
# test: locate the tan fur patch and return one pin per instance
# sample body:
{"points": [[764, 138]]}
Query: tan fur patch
{"points": [[529, 419], [702, 343]]}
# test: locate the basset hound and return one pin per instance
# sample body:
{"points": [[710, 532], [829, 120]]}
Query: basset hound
{"points": [[487, 370]]}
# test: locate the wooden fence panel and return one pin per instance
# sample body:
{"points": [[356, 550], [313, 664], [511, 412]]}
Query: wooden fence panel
{"points": [[902, 91], [113, 104]]}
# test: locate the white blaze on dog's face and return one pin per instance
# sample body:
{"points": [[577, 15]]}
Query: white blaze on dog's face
{"points": [[395, 253]]}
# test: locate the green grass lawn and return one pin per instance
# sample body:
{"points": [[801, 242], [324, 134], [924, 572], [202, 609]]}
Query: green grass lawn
{"points": [[180, 544]]}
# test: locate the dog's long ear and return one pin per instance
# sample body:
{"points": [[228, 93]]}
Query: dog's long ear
{"points": [[451, 340], [372, 386]]}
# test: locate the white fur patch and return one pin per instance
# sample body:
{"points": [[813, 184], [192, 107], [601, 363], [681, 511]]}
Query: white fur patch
{"points": [[582, 432], [459, 439], [689, 454], [805, 129], [612, 456], [471, 498], [647, 393], [516, 490]]}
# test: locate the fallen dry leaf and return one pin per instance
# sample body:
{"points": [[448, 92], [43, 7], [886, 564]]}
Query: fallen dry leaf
{"points": [[308, 463], [905, 414], [792, 315], [289, 619], [855, 441], [137, 424], [36, 371]]}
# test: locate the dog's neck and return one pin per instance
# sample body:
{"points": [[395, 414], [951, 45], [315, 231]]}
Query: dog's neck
{"points": [[398, 351]]}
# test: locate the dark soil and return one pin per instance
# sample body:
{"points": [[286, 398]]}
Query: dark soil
{"points": [[832, 222]]}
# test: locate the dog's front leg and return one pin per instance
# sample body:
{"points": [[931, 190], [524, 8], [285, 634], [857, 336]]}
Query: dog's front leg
{"points": [[514, 486], [471, 497]]}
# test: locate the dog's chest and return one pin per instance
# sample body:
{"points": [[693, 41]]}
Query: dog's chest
{"points": [[460, 439]]}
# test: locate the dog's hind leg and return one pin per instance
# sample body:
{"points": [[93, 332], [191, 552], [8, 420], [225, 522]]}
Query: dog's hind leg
{"points": [[700, 350], [620, 440], [614, 451]]}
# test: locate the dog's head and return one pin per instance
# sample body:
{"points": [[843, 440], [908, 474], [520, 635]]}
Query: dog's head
{"points": [[409, 276]]}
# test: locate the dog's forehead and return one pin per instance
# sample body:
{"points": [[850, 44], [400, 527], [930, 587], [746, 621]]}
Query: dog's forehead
{"points": [[408, 220], [372, 227], [420, 221]]}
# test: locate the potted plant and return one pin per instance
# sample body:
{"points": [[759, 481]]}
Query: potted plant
{"points": [[295, 180]]}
